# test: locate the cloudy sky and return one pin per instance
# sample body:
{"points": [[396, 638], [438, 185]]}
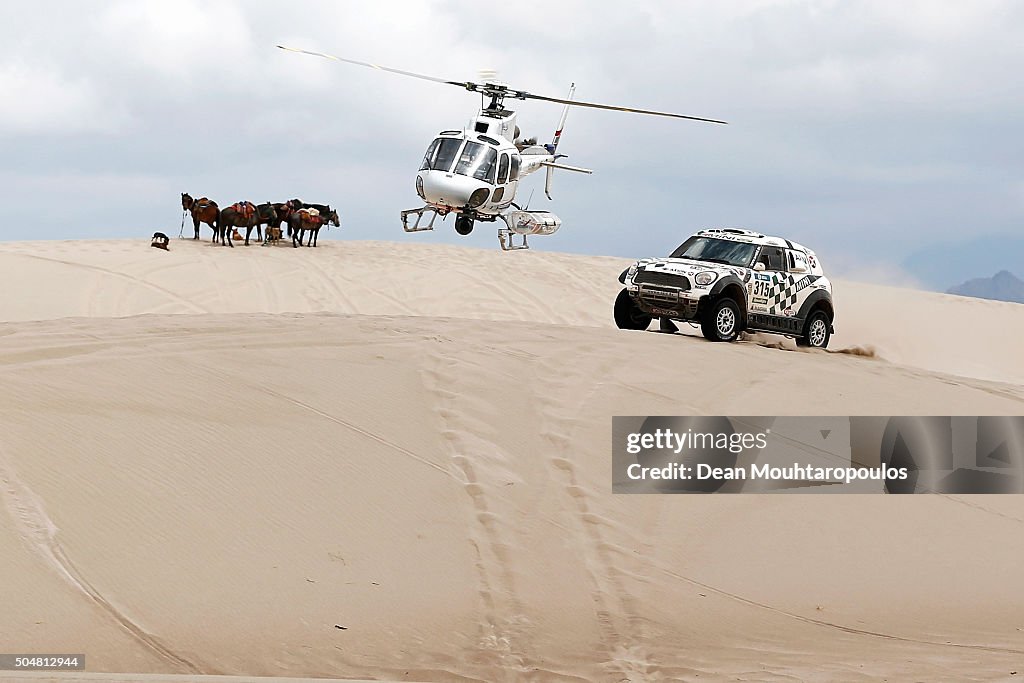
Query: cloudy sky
{"points": [[867, 130]]}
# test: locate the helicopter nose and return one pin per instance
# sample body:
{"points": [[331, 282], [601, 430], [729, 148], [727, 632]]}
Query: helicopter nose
{"points": [[446, 189]]}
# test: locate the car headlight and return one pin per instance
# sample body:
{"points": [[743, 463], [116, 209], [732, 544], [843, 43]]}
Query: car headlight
{"points": [[706, 278], [632, 270]]}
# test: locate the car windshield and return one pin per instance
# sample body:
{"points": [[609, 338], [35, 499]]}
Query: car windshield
{"points": [[716, 250]]}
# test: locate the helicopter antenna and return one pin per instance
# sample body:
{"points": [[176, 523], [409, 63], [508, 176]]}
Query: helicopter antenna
{"points": [[499, 91]]}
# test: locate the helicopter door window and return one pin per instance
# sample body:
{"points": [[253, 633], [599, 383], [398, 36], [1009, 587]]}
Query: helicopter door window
{"points": [[485, 170], [477, 161], [503, 170], [444, 153], [514, 172]]}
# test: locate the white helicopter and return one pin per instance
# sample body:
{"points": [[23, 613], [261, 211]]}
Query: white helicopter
{"points": [[474, 172]]}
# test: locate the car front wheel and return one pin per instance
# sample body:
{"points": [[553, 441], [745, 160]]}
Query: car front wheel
{"points": [[817, 331], [628, 315], [721, 321]]}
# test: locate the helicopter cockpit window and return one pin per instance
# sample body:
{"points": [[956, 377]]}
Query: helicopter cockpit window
{"points": [[477, 161], [429, 156], [514, 173], [441, 154], [503, 170], [446, 153]]}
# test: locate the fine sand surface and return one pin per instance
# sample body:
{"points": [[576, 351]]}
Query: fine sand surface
{"points": [[212, 459]]}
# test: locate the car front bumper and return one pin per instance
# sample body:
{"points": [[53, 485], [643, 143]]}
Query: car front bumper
{"points": [[667, 302]]}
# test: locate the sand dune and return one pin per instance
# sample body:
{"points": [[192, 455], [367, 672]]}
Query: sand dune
{"points": [[212, 459]]}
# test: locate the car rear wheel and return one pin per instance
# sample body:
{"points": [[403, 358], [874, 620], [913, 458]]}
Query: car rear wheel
{"points": [[628, 315], [817, 331], [721, 320]]}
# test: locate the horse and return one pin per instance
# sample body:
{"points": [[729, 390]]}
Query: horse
{"points": [[304, 219], [203, 210], [324, 209], [284, 211], [266, 214], [245, 215]]}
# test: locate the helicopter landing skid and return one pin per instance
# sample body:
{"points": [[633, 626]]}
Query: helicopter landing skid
{"points": [[419, 213], [508, 243]]}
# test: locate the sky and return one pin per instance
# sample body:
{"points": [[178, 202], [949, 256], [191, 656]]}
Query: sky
{"points": [[871, 131]]}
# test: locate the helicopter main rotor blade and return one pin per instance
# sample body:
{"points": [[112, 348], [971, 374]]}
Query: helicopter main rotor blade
{"points": [[577, 103], [499, 91], [461, 84]]}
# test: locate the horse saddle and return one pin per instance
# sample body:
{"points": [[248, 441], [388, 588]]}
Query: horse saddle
{"points": [[310, 216], [244, 209], [203, 203]]}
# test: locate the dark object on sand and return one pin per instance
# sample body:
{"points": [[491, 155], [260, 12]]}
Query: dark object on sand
{"points": [[160, 241]]}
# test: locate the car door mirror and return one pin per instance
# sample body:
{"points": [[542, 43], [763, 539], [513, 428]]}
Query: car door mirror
{"points": [[758, 266]]}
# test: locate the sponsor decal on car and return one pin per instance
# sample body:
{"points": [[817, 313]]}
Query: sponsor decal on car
{"points": [[761, 300]]}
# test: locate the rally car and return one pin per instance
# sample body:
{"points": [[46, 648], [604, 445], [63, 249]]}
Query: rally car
{"points": [[730, 280]]}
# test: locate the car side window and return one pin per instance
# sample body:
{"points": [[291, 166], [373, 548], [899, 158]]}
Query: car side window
{"points": [[797, 261], [772, 258]]}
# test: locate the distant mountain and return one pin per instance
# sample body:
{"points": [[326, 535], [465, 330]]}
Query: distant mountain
{"points": [[1003, 286], [940, 267]]}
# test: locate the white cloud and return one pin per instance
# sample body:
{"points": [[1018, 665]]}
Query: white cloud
{"points": [[35, 100]]}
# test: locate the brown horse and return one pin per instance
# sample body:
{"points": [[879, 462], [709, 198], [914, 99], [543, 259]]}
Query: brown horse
{"points": [[284, 211], [245, 215], [203, 210], [303, 220]]}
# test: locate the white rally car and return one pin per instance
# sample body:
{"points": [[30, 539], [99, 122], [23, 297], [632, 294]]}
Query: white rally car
{"points": [[728, 281]]}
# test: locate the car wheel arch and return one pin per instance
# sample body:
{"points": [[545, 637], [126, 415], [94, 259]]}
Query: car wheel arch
{"points": [[731, 287]]}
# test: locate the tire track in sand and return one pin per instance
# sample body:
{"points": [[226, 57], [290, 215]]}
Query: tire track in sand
{"points": [[505, 630], [123, 276], [359, 291], [599, 556], [35, 526], [564, 385]]}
